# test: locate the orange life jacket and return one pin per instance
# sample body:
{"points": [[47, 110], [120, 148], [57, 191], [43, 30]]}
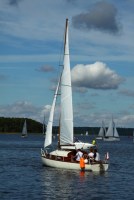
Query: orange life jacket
{"points": [[82, 163]]}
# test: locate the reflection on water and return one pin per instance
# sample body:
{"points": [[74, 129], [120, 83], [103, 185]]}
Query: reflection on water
{"points": [[23, 177], [71, 184]]}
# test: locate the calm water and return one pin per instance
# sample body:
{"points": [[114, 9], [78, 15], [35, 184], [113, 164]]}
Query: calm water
{"points": [[23, 177]]}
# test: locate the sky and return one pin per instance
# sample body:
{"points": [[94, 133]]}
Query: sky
{"points": [[101, 34]]}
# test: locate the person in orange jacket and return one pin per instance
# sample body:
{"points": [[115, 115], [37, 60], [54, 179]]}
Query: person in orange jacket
{"points": [[82, 163]]}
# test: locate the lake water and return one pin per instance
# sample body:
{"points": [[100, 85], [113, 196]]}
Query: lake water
{"points": [[22, 176]]}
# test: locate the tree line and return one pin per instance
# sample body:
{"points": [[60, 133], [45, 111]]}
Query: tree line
{"points": [[95, 130], [15, 125]]}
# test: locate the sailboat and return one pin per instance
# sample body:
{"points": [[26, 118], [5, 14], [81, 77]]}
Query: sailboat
{"points": [[86, 133], [61, 157], [112, 133], [24, 130], [102, 132]]}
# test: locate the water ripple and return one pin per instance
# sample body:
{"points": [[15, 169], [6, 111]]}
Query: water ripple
{"points": [[23, 177]]}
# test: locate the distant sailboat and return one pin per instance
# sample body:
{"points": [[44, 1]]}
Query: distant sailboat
{"points": [[24, 130], [86, 133], [102, 132], [112, 133]]}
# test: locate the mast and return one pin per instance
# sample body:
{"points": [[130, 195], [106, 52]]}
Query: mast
{"points": [[66, 32]]}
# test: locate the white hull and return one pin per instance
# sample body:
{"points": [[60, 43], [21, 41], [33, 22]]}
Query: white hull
{"points": [[99, 138], [24, 136], [73, 165], [111, 139], [58, 161]]}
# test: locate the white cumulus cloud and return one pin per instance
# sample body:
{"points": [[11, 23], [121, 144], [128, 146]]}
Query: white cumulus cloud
{"points": [[96, 76]]}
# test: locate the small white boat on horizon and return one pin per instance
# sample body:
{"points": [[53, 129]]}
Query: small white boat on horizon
{"points": [[24, 130]]}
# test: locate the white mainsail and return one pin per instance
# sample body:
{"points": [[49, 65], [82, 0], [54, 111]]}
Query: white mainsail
{"points": [[66, 134], [110, 132], [48, 138], [66, 122]]}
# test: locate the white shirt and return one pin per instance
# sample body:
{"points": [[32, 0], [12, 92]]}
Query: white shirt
{"points": [[79, 154], [91, 155], [97, 158]]}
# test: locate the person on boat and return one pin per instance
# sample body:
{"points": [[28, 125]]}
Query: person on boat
{"points": [[78, 155], [94, 142], [82, 163], [91, 155], [96, 155]]}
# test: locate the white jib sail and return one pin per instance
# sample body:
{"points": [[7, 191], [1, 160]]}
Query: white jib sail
{"points": [[101, 132], [66, 123], [48, 138], [115, 132]]}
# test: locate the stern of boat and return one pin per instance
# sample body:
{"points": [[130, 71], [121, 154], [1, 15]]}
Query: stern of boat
{"points": [[100, 167]]}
